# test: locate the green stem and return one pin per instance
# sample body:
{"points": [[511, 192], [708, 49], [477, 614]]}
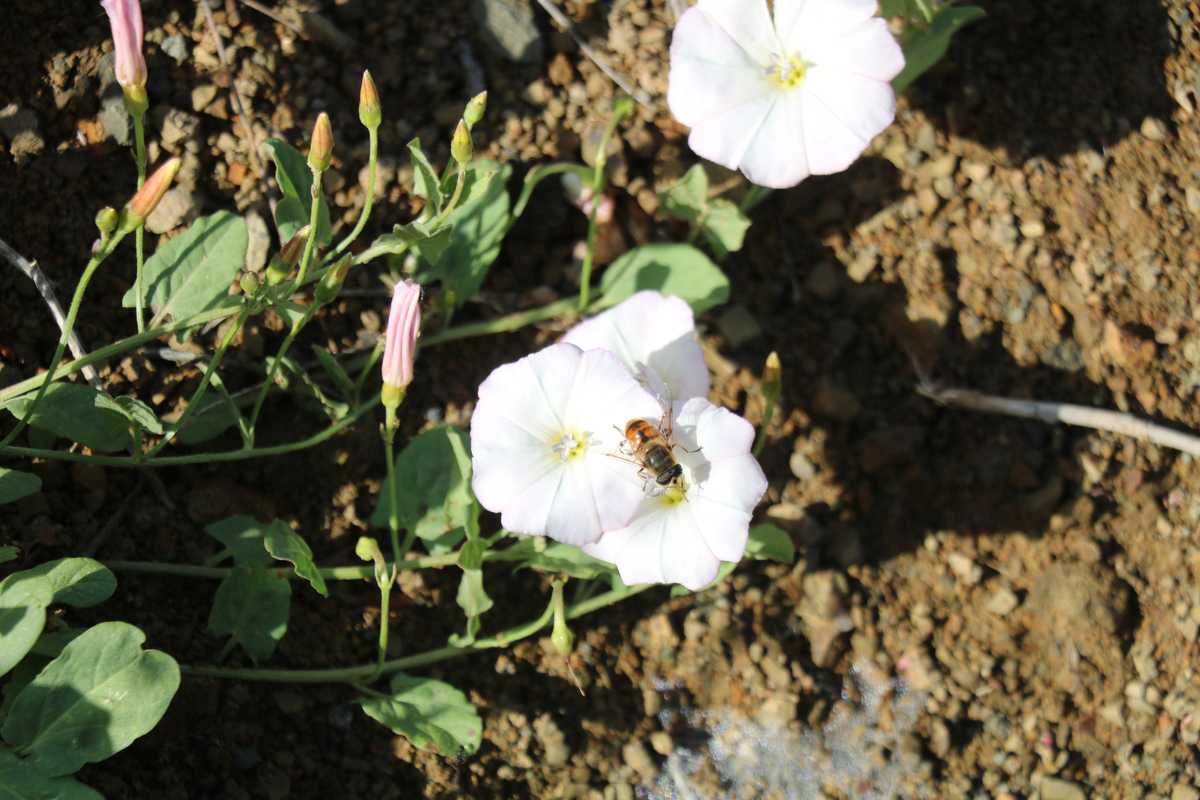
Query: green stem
{"points": [[200, 458], [139, 139], [373, 133], [314, 208], [389, 433], [385, 593], [329, 573], [194, 402], [350, 674], [768, 415], [535, 176], [459, 180], [116, 348], [511, 322], [283, 348], [585, 277]]}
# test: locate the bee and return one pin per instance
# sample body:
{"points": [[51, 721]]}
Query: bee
{"points": [[652, 448]]}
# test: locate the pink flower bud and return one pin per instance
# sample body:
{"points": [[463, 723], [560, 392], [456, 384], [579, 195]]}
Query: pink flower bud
{"points": [[125, 18], [136, 210], [404, 325]]}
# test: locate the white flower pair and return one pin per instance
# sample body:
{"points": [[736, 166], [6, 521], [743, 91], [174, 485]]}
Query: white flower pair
{"points": [[546, 439]]}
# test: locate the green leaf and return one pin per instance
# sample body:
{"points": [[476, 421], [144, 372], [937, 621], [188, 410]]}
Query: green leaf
{"points": [[430, 244], [923, 47], [433, 478], [479, 228], [295, 183], [472, 598], [251, 607], [687, 197], [243, 538], [23, 601], [550, 556], [14, 485], [69, 410], [9, 552], [672, 269], [79, 582], [893, 8], [428, 711], [725, 227], [191, 273], [212, 417], [50, 645], [479, 174], [343, 382], [425, 181], [309, 392], [769, 542], [129, 411], [20, 780], [925, 7], [286, 545], [103, 692]]}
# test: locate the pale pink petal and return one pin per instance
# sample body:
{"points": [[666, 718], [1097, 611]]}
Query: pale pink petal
{"points": [[730, 138], [824, 19], [506, 460], [660, 546], [604, 395], [868, 50], [533, 391], [649, 330], [710, 72], [842, 113], [724, 434], [747, 23], [778, 155]]}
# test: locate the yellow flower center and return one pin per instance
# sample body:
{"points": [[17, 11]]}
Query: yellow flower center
{"points": [[787, 72], [567, 447]]}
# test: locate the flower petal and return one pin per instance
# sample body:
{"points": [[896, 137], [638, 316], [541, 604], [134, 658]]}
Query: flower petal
{"points": [[748, 24], [533, 391], [842, 113], [804, 22], [649, 330], [867, 49], [659, 546], [710, 71]]}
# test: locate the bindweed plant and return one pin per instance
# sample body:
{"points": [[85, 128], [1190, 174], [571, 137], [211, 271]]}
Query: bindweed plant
{"points": [[601, 453]]}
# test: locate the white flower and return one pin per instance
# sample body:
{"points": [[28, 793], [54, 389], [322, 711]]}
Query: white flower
{"points": [[655, 338], [781, 100], [541, 438], [683, 536]]}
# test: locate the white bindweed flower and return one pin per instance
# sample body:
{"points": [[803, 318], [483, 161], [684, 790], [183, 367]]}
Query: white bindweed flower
{"points": [[683, 536], [541, 439], [780, 100], [655, 338]]}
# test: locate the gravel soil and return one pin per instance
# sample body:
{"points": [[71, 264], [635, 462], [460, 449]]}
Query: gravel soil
{"points": [[981, 606]]}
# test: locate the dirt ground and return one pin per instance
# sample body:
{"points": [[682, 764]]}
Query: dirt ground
{"points": [[981, 607]]}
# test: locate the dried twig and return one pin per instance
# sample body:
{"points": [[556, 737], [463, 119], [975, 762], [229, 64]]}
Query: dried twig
{"points": [[260, 8], [561, 18], [1082, 416], [30, 268]]}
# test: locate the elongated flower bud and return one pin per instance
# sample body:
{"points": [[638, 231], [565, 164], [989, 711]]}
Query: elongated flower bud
{"points": [[461, 146], [474, 110], [125, 20], [331, 282], [320, 153], [772, 377], [283, 262], [136, 210], [400, 347], [369, 112]]}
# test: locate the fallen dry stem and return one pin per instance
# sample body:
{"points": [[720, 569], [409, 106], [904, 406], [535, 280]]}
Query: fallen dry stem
{"points": [[1082, 416], [30, 268]]}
